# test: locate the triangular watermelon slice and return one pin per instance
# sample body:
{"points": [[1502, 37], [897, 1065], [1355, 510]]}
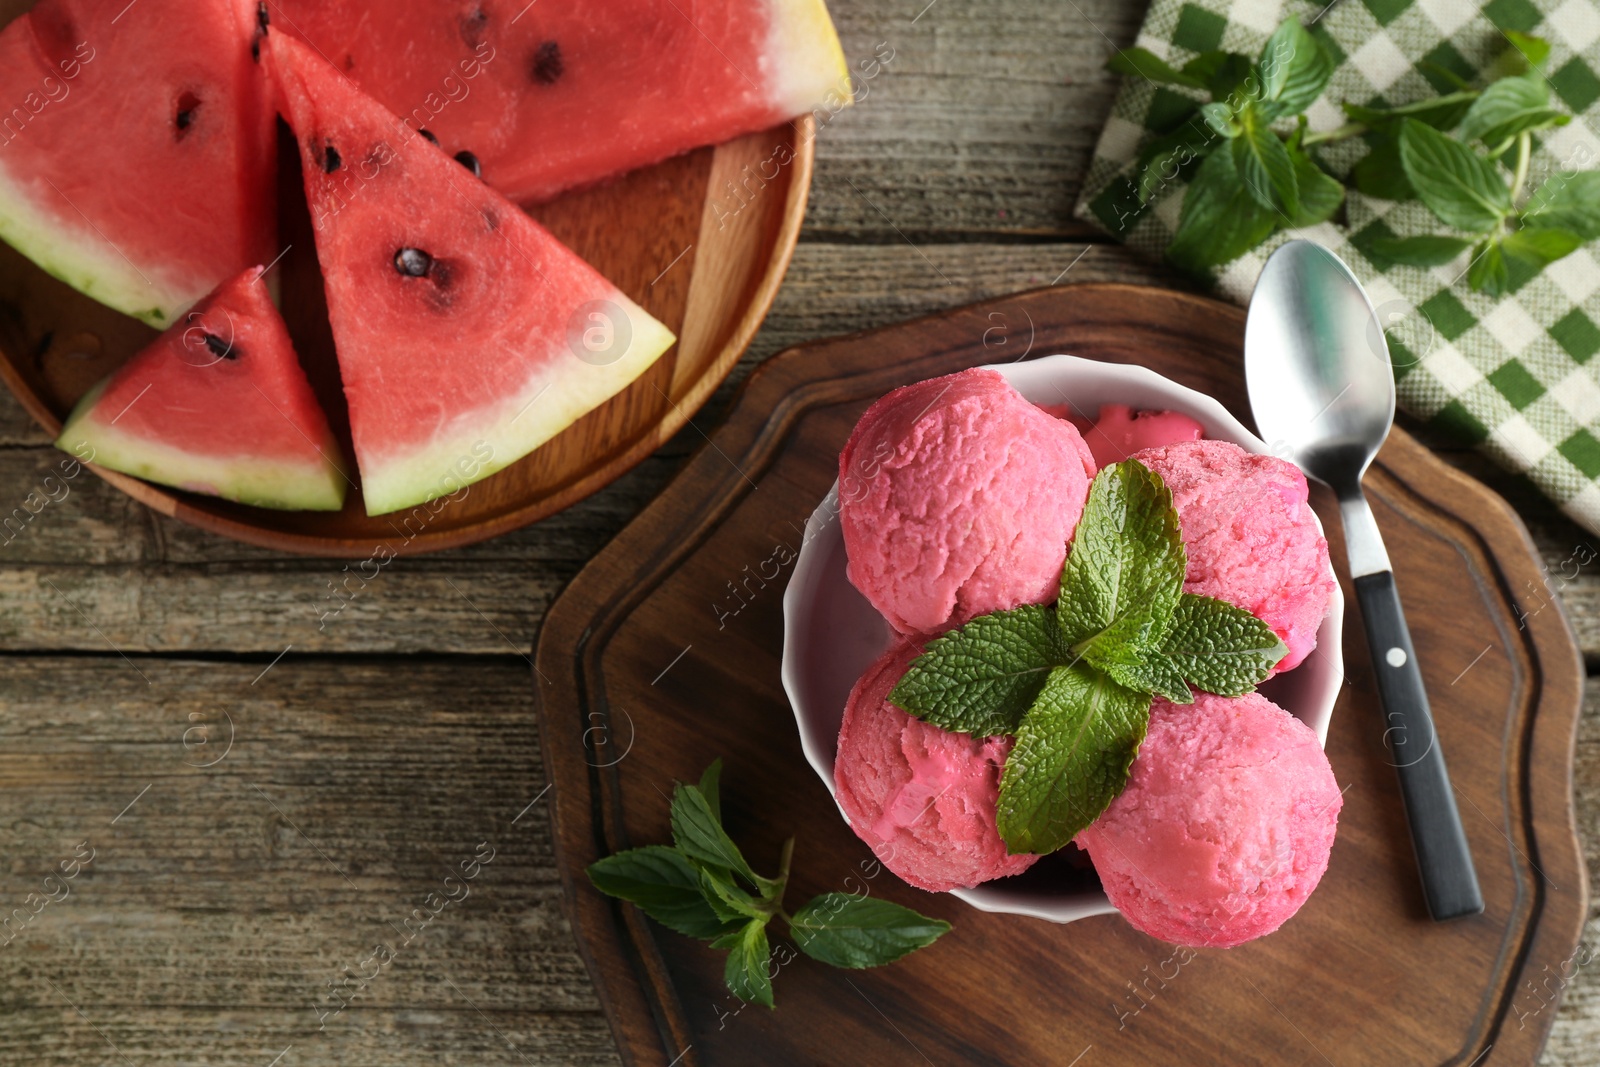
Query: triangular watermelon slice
{"points": [[549, 96], [467, 335], [219, 405], [137, 151]]}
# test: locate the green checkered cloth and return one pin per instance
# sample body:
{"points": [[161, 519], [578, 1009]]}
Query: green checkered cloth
{"points": [[1514, 375]]}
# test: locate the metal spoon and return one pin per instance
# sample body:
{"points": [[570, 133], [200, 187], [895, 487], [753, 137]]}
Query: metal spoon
{"points": [[1317, 366]]}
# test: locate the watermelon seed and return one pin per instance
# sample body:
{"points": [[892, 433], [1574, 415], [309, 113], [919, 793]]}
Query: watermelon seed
{"points": [[428, 134], [331, 159], [470, 161], [188, 104], [262, 19], [413, 262], [547, 64], [220, 348], [472, 27]]}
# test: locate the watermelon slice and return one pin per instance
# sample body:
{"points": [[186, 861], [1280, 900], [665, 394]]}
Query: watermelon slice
{"points": [[467, 335], [550, 96], [138, 153], [219, 405]]}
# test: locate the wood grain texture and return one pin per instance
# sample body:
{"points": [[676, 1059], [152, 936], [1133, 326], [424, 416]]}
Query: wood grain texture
{"points": [[1429, 993]]}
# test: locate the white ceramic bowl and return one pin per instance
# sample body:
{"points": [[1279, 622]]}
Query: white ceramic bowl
{"points": [[831, 633]]}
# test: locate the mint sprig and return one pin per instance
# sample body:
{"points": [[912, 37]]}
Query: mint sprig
{"points": [[1252, 167], [704, 888], [1073, 682]]}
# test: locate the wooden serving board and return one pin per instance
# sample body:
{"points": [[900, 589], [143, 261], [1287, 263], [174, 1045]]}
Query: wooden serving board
{"points": [[701, 242], [664, 653]]}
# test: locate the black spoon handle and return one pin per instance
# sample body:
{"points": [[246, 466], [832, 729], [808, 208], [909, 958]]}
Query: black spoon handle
{"points": [[1449, 880]]}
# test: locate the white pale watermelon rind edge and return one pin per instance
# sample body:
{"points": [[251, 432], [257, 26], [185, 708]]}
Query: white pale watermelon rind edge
{"points": [[809, 68], [519, 424], [317, 486]]}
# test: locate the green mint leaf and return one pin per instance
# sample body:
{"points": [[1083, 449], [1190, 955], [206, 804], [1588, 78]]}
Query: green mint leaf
{"points": [[1380, 173], [1433, 250], [981, 678], [730, 903], [1567, 201], [1123, 577], [1440, 112], [662, 883], [1320, 194], [710, 783], [1533, 50], [1489, 273], [1221, 221], [698, 833], [846, 930], [1264, 165], [1221, 119], [1295, 68], [1143, 63], [1456, 184], [1540, 247], [1152, 672], [746, 972], [1221, 648], [1071, 758], [1508, 107], [1222, 72]]}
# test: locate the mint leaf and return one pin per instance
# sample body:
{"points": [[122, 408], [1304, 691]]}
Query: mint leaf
{"points": [[1320, 194], [1433, 250], [1488, 272], [698, 833], [1264, 165], [710, 783], [1222, 72], [1455, 183], [1221, 221], [663, 884], [1440, 112], [1143, 63], [1125, 572], [746, 972], [1380, 173], [845, 930], [1221, 648], [1294, 70], [1533, 50], [1508, 107], [1152, 673], [730, 903], [1071, 758], [1540, 247], [981, 678], [1221, 119], [1568, 201]]}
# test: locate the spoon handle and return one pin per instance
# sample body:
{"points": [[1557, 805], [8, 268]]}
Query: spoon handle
{"points": [[1449, 880]]}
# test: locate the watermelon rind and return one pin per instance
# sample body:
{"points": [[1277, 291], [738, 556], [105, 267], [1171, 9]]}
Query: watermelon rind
{"points": [[81, 259], [810, 71], [478, 442], [316, 486]]}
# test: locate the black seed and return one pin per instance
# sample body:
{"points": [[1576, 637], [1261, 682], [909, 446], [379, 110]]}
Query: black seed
{"points": [[413, 262], [429, 135], [220, 348], [331, 159], [547, 63], [263, 17], [472, 27], [470, 161], [188, 104]]}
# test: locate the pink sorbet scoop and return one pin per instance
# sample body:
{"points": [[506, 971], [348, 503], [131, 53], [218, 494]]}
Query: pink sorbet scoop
{"points": [[1250, 535], [957, 497], [923, 798], [1225, 826]]}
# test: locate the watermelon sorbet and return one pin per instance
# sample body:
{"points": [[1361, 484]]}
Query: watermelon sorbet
{"points": [[1225, 826], [922, 797], [975, 496]]}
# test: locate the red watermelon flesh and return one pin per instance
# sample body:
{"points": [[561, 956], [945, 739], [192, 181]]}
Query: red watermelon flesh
{"points": [[553, 95], [137, 156], [466, 334], [219, 405]]}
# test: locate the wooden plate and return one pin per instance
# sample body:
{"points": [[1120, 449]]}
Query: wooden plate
{"points": [[664, 653], [701, 241]]}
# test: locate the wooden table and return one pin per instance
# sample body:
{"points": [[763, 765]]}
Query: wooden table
{"points": [[268, 789]]}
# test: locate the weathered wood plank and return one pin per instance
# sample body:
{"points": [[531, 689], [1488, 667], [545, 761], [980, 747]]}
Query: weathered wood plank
{"points": [[228, 884]]}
